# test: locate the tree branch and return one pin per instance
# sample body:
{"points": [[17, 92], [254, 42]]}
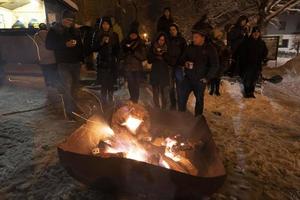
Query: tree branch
{"points": [[286, 6]]}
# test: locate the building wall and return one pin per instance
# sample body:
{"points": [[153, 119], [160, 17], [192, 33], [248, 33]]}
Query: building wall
{"points": [[289, 33]]}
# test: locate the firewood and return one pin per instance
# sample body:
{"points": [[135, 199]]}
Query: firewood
{"points": [[174, 165]]}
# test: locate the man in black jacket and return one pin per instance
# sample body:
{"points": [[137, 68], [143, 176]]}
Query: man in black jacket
{"points": [[106, 43], [66, 43], [253, 52], [177, 45], [165, 21], [134, 52], [201, 65]]}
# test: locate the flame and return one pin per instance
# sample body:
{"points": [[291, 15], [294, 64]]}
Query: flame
{"points": [[169, 149], [132, 124], [163, 163], [131, 150]]}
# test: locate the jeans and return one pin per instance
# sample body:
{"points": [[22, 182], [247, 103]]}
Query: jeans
{"points": [[50, 73], [176, 80], [198, 88], [69, 74], [133, 79]]}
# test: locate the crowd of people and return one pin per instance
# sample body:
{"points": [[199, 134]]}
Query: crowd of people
{"points": [[178, 68]]}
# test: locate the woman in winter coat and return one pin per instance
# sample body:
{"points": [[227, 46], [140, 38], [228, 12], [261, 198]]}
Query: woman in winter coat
{"points": [[134, 53], [237, 34], [106, 43], [160, 73], [253, 52], [177, 45]]}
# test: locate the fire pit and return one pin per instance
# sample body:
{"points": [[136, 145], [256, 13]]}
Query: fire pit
{"points": [[145, 151]]}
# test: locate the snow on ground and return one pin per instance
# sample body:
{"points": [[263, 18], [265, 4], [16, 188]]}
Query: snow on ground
{"points": [[257, 138]]}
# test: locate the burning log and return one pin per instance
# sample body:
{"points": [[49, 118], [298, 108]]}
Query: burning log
{"points": [[188, 166], [132, 118], [173, 164], [97, 152]]}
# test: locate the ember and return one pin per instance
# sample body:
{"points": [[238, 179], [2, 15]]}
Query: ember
{"points": [[166, 152]]}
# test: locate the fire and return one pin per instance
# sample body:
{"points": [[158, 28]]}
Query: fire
{"points": [[131, 150], [165, 152], [163, 163], [169, 152], [132, 124]]}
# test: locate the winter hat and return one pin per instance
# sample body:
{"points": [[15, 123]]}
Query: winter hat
{"points": [[42, 26], [167, 8], [255, 29], [68, 14], [106, 19], [202, 27], [175, 25], [134, 28]]}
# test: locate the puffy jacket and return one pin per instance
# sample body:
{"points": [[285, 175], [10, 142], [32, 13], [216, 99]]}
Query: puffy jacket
{"points": [[56, 41], [205, 59], [134, 53]]}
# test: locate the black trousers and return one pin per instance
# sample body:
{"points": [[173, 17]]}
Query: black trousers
{"points": [[133, 80], [106, 78], [163, 93], [250, 78], [176, 80], [215, 86], [198, 88]]}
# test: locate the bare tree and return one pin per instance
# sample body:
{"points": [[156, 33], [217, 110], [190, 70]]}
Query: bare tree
{"points": [[263, 11]]}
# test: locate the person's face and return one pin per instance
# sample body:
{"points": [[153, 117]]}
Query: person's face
{"points": [[256, 35], [244, 23], [68, 22], [173, 31], [161, 41], [167, 13], [198, 39], [105, 26], [133, 36]]}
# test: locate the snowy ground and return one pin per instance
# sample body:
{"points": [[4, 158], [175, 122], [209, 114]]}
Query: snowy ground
{"points": [[259, 141]]}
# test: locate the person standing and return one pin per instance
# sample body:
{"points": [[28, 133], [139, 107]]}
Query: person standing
{"points": [[177, 45], [66, 43], [164, 22], [46, 58], [224, 60], [201, 65], [253, 52], [134, 52], [236, 35], [106, 43], [160, 74]]}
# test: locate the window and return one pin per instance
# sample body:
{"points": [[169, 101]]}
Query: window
{"points": [[282, 25], [22, 13], [284, 43]]}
